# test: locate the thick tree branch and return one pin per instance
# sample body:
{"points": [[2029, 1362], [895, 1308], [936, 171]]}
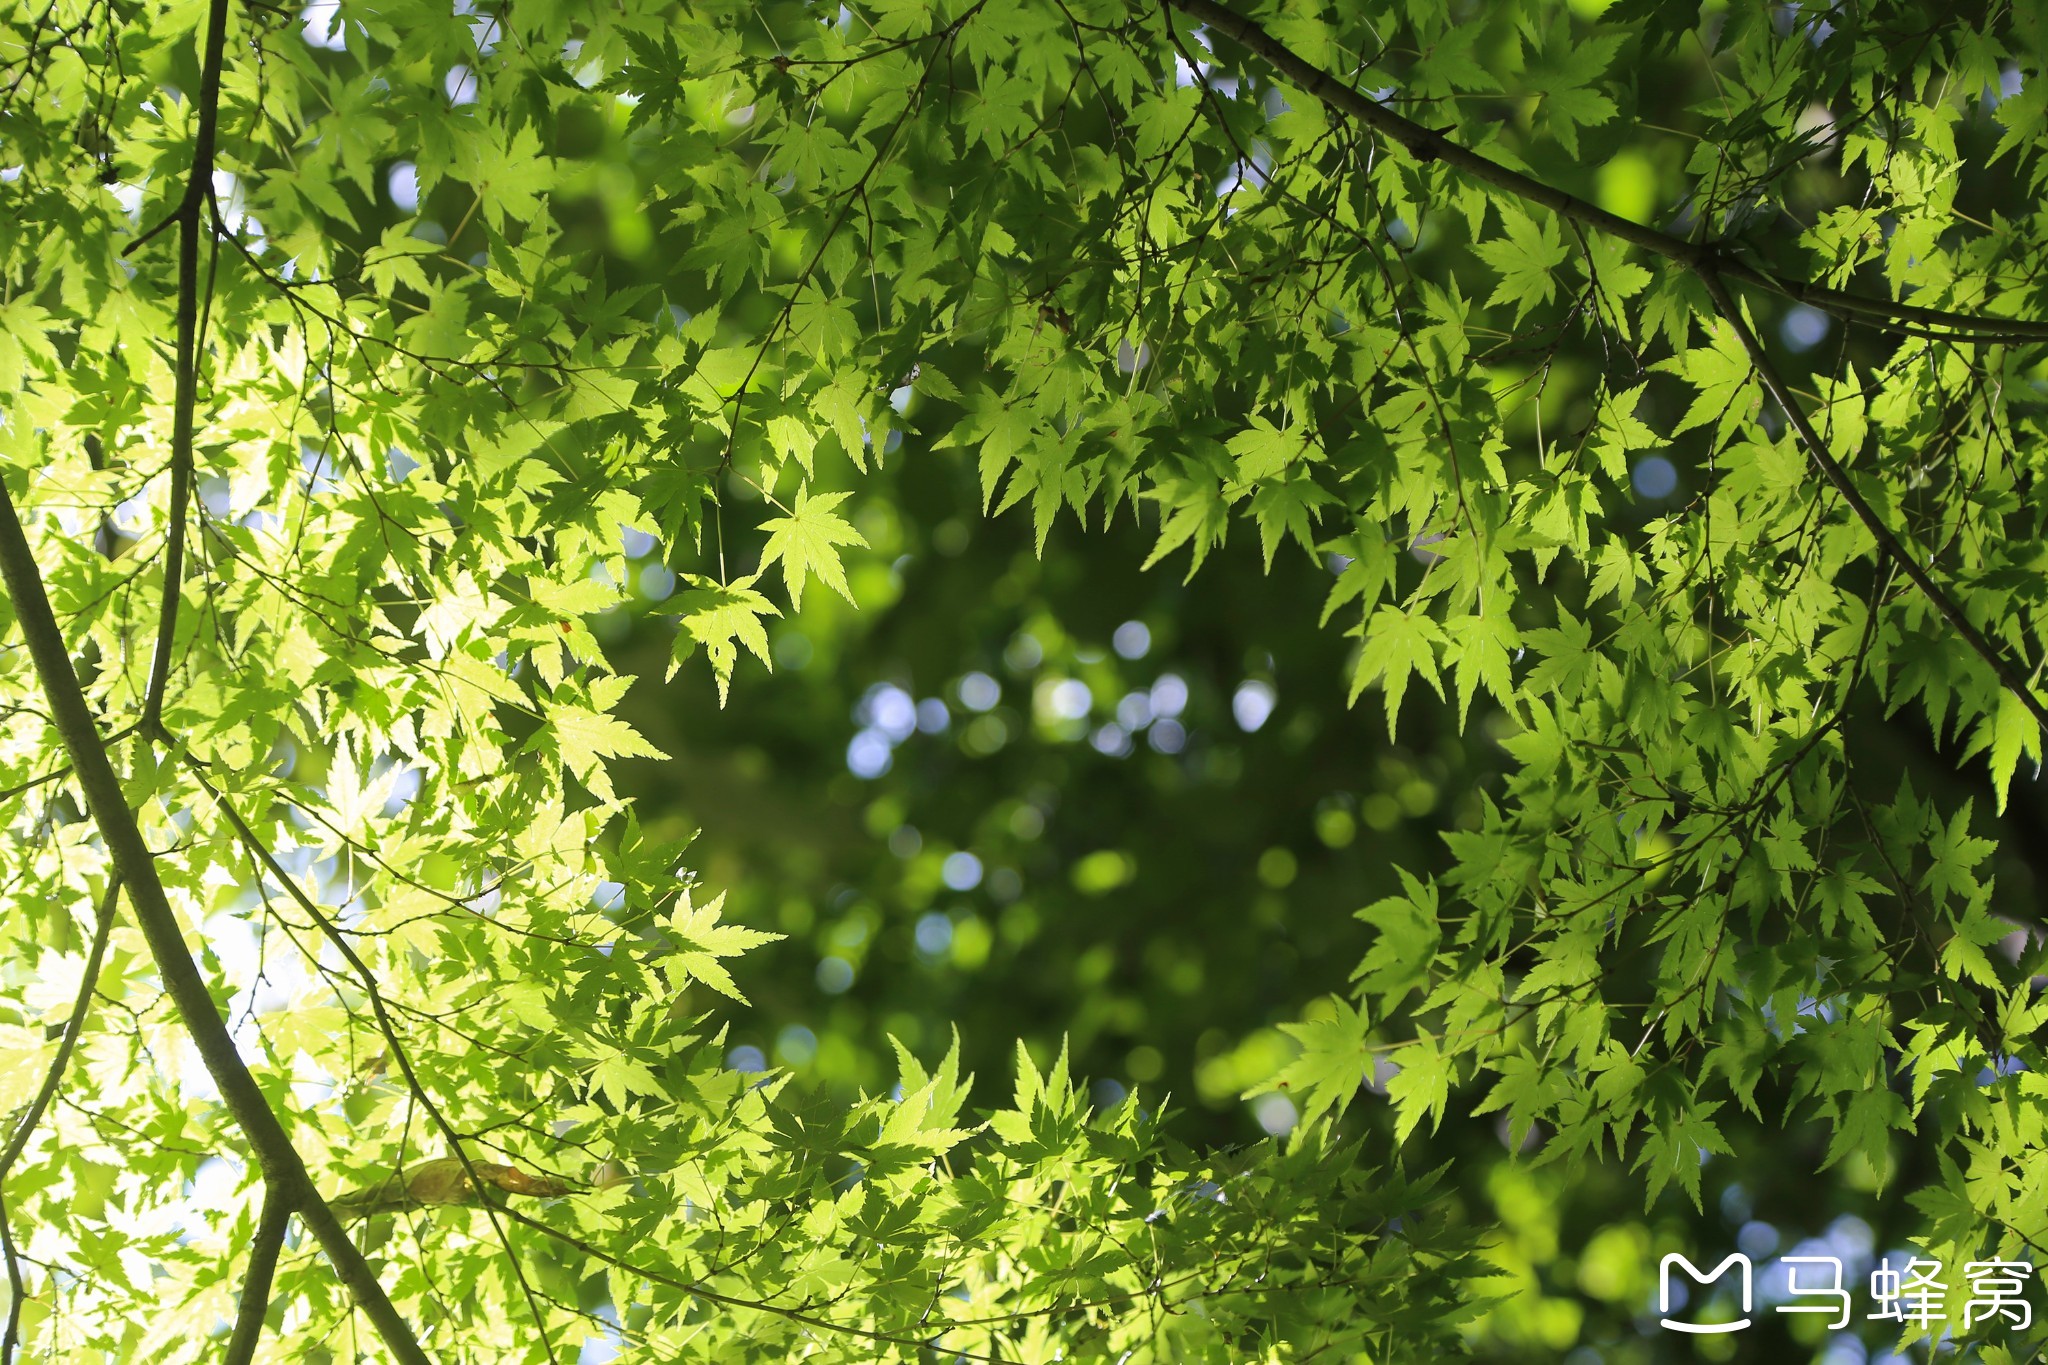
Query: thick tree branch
{"points": [[282, 1167], [1428, 145], [263, 1249], [191, 220]]}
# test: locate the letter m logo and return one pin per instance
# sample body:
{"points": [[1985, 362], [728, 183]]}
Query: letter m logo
{"points": [[1702, 1277]]}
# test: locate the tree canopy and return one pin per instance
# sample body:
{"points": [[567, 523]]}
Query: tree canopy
{"points": [[1537, 499]]}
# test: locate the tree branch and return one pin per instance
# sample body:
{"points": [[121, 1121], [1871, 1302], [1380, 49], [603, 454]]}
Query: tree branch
{"points": [[185, 400], [1428, 145], [17, 1288], [1706, 260], [73, 1026], [1831, 470], [385, 1024], [33, 1115], [282, 1167], [263, 1248]]}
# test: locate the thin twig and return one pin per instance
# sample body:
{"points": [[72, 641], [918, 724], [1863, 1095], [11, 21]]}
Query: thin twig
{"points": [[1888, 543], [33, 1115], [385, 1024]]}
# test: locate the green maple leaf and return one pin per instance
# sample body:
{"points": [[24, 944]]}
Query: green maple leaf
{"points": [[1264, 450], [1569, 66], [1480, 654], [586, 738], [1193, 512], [1524, 259], [1721, 372], [1865, 1125], [700, 940], [1404, 945], [722, 617], [24, 332], [1422, 1086], [1568, 655], [510, 175], [1529, 1089], [2010, 732], [1952, 852], [1335, 1061], [1672, 1147], [1368, 570], [1287, 508], [1398, 645], [804, 544]]}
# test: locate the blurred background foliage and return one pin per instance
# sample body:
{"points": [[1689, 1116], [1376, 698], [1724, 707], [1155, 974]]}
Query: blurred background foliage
{"points": [[1054, 797], [1039, 798]]}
